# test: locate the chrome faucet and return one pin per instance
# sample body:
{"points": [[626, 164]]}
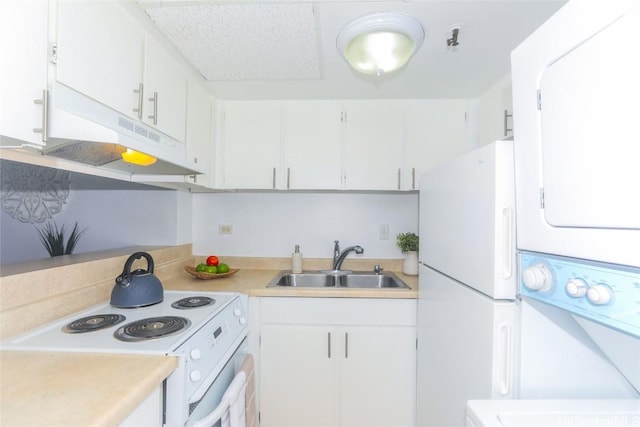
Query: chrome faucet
{"points": [[338, 257]]}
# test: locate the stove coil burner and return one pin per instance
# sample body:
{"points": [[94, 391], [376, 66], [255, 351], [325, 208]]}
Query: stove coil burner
{"points": [[193, 302], [151, 328], [93, 323]]}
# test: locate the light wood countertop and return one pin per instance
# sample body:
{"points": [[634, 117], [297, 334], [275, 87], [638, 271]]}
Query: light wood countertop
{"points": [[76, 389]]}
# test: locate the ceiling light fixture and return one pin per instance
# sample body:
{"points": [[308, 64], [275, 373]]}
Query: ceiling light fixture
{"points": [[138, 158], [380, 43]]}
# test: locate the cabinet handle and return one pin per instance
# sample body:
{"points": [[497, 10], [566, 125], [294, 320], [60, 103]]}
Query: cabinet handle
{"points": [[346, 345], [413, 178], [288, 178], [329, 345], [273, 184], [139, 91], [507, 116], [44, 130], [154, 99], [398, 178]]}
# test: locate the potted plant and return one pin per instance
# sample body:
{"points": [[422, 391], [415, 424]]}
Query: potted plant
{"points": [[53, 239], [409, 244]]}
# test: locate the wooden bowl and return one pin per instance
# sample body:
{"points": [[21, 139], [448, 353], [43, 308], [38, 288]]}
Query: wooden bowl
{"points": [[208, 276]]}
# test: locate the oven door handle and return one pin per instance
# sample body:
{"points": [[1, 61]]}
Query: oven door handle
{"points": [[234, 395]]}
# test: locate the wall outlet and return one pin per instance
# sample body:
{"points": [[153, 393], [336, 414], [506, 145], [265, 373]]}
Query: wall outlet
{"points": [[384, 231], [225, 229]]}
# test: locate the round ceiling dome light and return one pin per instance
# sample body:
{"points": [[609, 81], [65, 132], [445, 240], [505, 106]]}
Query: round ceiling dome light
{"points": [[380, 43]]}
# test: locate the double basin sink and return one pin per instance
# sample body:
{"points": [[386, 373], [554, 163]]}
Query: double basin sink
{"points": [[337, 279]]}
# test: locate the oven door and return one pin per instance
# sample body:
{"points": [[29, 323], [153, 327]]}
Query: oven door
{"points": [[212, 397], [577, 141]]}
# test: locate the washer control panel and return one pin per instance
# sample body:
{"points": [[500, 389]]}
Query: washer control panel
{"points": [[606, 293]]}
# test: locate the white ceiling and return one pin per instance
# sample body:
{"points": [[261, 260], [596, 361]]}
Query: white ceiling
{"points": [[287, 49]]}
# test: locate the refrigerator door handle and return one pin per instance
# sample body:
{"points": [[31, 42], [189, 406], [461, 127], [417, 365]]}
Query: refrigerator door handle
{"points": [[507, 243], [504, 369]]}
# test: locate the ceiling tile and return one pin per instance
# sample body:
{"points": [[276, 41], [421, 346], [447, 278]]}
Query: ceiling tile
{"points": [[243, 41]]}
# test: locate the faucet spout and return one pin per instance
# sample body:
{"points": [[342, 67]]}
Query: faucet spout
{"points": [[337, 261]]}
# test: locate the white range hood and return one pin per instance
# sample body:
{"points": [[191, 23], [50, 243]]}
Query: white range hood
{"points": [[85, 131]]}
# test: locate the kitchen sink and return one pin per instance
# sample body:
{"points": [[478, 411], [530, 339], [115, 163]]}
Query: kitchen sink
{"points": [[341, 279]]}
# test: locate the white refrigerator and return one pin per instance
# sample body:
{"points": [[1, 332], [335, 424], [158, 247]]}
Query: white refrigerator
{"points": [[466, 306]]}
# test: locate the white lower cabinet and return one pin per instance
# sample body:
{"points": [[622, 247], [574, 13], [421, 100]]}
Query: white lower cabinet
{"points": [[337, 362]]}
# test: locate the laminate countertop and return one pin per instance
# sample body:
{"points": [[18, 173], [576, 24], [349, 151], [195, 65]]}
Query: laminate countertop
{"points": [[76, 389], [253, 282]]}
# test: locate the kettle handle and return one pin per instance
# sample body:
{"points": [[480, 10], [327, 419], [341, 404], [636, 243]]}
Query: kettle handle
{"points": [[125, 277]]}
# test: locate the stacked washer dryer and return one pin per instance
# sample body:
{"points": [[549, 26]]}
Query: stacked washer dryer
{"points": [[576, 92]]}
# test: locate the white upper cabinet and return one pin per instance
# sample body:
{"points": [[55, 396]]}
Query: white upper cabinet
{"points": [[495, 112], [373, 145], [312, 136], [103, 53], [199, 131], [100, 52], [435, 132], [251, 134], [165, 91], [23, 71]]}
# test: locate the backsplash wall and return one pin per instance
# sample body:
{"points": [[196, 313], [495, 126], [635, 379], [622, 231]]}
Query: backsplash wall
{"points": [[270, 224]]}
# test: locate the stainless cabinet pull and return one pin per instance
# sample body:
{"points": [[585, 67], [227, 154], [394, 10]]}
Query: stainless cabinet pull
{"points": [[44, 130], [288, 178], [346, 345], [139, 91], [507, 116], [413, 178], [329, 345], [398, 178], [154, 99], [273, 184]]}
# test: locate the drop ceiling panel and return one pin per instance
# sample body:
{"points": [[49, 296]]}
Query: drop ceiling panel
{"points": [[231, 42]]}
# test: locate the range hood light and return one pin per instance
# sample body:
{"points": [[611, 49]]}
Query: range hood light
{"points": [[138, 158]]}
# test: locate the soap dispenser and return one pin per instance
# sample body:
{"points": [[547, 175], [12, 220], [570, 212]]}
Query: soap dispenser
{"points": [[296, 260]]}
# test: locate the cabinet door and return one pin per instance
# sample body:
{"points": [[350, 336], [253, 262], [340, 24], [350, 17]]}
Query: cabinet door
{"points": [[378, 376], [373, 145], [100, 52], [312, 134], [298, 376], [165, 91], [251, 150], [435, 132], [23, 70], [199, 126]]}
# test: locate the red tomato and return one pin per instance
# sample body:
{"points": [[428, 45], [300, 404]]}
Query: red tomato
{"points": [[212, 260]]}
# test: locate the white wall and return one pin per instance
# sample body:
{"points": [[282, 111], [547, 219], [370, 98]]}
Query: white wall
{"points": [[491, 106], [117, 214], [270, 224]]}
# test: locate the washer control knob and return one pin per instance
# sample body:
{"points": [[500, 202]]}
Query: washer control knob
{"points": [[576, 287], [237, 312], [195, 354], [195, 375], [599, 294], [538, 278], [243, 321]]}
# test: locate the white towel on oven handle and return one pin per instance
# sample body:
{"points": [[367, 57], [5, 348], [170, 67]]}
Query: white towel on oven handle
{"points": [[230, 412]]}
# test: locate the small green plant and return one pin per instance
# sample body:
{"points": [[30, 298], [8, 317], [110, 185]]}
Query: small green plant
{"points": [[53, 239], [407, 242]]}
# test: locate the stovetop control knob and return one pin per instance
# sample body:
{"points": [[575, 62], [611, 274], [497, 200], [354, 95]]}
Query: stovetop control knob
{"points": [[195, 375], [237, 312], [599, 294], [576, 287], [243, 321], [195, 354], [538, 278]]}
